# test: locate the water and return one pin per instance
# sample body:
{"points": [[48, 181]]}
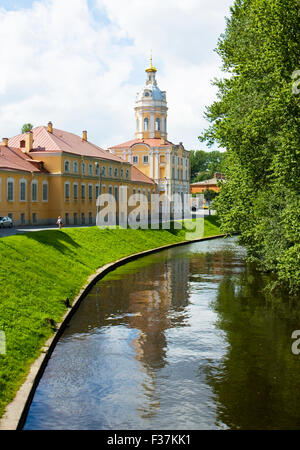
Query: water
{"points": [[182, 339]]}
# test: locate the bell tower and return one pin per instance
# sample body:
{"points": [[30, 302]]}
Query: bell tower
{"points": [[151, 108]]}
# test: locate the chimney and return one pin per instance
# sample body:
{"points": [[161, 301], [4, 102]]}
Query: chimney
{"points": [[5, 142], [50, 127], [84, 135], [28, 141]]}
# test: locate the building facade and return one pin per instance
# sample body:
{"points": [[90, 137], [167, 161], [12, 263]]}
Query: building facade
{"points": [[212, 184], [48, 173], [151, 152]]}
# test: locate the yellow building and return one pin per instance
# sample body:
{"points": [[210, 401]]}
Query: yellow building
{"points": [[151, 152], [48, 173]]}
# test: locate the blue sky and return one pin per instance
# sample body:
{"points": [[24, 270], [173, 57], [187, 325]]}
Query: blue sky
{"points": [[15, 4], [80, 63]]}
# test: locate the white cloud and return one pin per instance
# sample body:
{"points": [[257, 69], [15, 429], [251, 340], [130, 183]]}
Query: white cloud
{"points": [[63, 61]]}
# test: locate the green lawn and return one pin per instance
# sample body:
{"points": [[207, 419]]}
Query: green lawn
{"points": [[39, 270]]}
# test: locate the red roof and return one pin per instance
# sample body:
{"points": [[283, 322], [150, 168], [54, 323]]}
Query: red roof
{"points": [[62, 141], [14, 159], [155, 142], [137, 175]]}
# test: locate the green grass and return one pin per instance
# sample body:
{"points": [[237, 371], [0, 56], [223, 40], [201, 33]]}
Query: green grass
{"points": [[39, 270]]}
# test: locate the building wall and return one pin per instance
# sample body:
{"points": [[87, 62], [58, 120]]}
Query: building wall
{"points": [[61, 201], [168, 166], [200, 189]]}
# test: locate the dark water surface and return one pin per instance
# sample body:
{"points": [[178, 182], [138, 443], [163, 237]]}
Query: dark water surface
{"points": [[182, 339]]}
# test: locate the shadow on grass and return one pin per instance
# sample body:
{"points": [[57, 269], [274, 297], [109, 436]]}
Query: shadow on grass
{"points": [[55, 238]]}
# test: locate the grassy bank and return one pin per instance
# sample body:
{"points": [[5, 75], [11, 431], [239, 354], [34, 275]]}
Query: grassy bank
{"points": [[40, 270]]}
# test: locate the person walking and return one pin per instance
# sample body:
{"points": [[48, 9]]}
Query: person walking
{"points": [[59, 222]]}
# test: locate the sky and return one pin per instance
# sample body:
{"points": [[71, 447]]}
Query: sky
{"points": [[80, 63]]}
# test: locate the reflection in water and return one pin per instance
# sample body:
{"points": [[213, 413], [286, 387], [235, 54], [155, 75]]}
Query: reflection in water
{"points": [[182, 339]]}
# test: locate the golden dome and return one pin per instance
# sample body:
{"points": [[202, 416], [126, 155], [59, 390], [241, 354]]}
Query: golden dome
{"points": [[151, 68]]}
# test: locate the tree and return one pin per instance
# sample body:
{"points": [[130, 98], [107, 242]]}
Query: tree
{"points": [[256, 118], [205, 164], [26, 127]]}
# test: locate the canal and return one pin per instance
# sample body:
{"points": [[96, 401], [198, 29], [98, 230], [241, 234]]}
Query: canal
{"points": [[182, 339]]}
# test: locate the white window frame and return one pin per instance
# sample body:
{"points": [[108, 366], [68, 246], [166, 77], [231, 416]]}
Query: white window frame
{"points": [[75, 167], [67, 162], [20, 183], [146, 121], [10, 180], [145, 159], [35, 183], [157, 124], [90, 169], [137, 159], [75, 198], [67, 183]]}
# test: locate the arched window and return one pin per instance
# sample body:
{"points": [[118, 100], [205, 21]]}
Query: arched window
{"points": [[22, 190], [90, 191], [127, 174], [67, 190], [157, 124], [75, 166], [10, 189], [83, 168], [146, 124], [67, 166], [34, 191], [75, 191]]}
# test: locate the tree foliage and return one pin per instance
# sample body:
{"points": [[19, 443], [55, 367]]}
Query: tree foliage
{"points": [[256, 118], [26, 127], [205, 164]]}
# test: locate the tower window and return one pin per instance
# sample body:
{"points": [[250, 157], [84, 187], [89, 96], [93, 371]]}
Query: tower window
{"points": [[146, 124], [157, 124]]}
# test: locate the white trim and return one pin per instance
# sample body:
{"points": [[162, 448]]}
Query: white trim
{"points": [[75, 184], [45, 183], [10, 180], [65, 162], [22, 180], [36, 183], [67, 183], [75, 163]]}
